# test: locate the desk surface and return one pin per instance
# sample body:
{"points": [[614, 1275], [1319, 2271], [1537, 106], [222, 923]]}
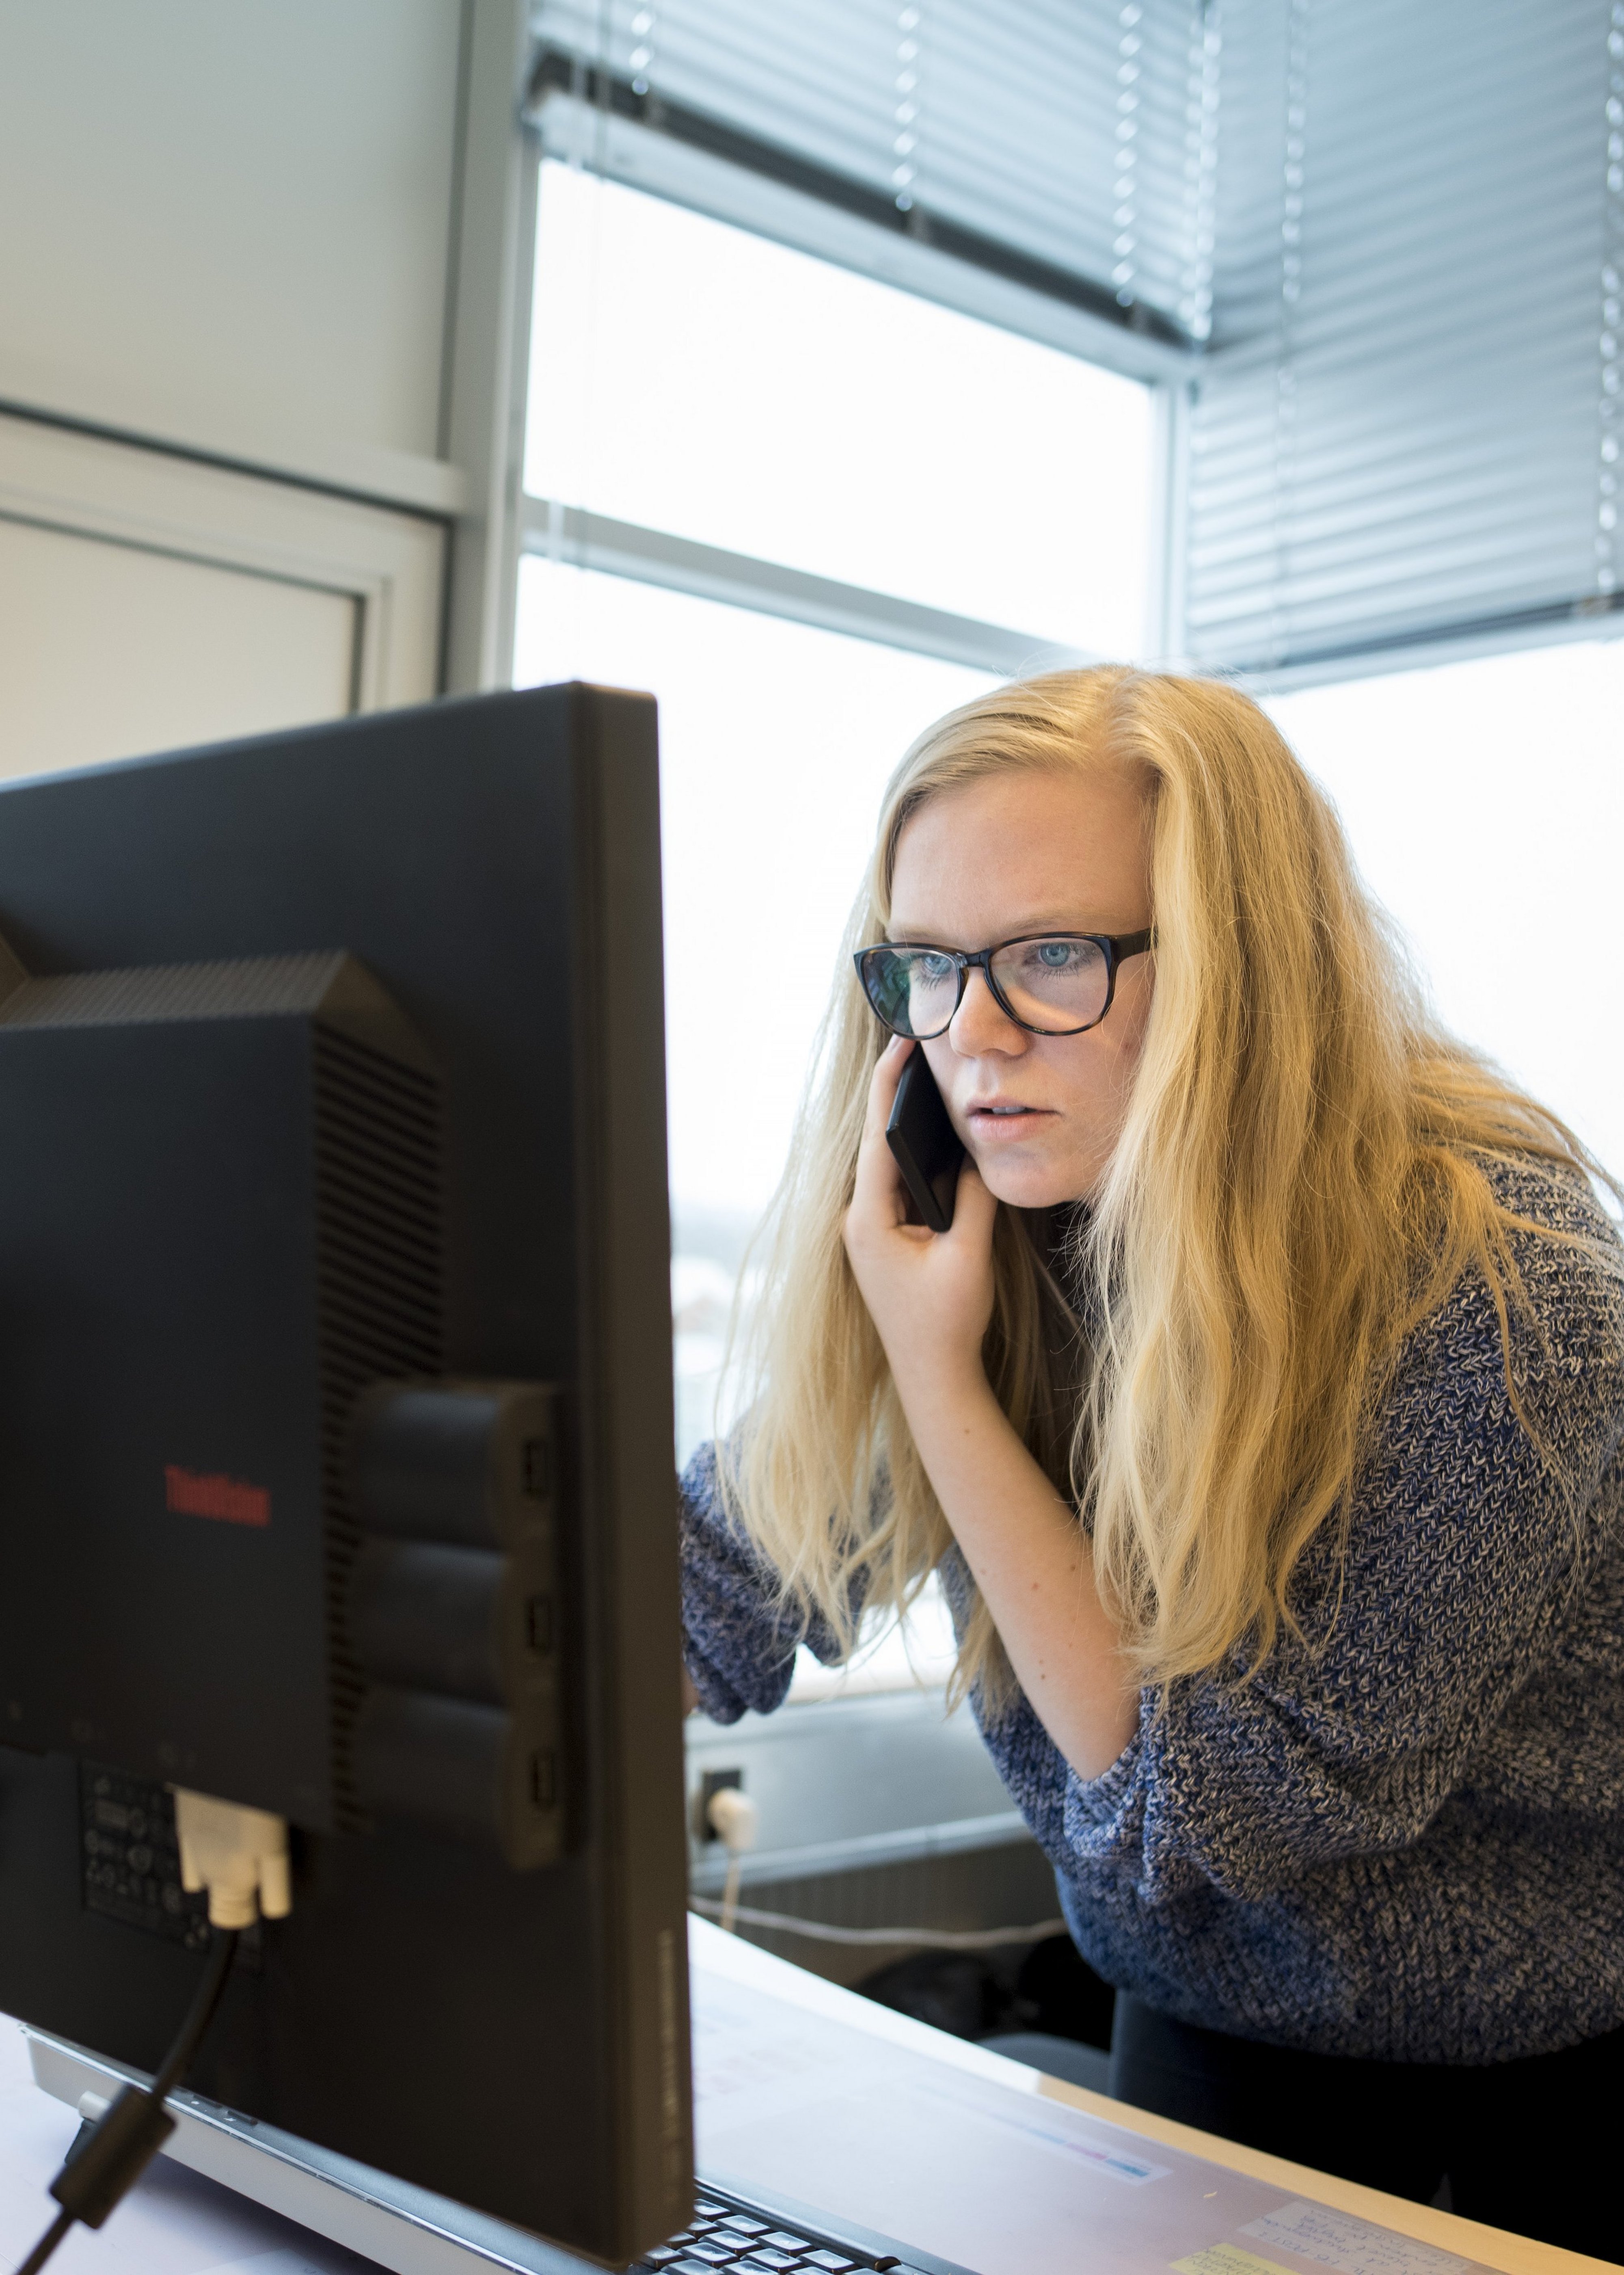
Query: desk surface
{"points": [[785, 2139], [761, 2028]]}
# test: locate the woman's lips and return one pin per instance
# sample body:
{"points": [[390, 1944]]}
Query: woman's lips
{"points": [[1001, 1124]]}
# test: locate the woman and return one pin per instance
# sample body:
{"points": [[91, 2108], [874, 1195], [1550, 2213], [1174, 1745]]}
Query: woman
{"points": [[1259, 1410]]}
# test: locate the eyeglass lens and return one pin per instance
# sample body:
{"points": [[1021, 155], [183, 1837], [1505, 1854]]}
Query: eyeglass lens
{"points": [[1055, 985]]}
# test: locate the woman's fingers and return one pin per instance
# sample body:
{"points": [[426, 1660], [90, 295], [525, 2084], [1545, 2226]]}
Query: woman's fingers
{"points": [[877, 1195], [930, 1296], [973, 1209], [882, 1083]]}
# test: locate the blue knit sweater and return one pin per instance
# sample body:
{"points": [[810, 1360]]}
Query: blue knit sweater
{"points": [[1404, 1839]]}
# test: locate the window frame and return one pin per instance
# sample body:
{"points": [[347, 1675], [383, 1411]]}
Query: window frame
{"points": [[573, 536]]}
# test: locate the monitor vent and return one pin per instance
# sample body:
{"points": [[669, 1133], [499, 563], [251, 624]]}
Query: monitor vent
{"points": [[378, 1183], [252, 988]]}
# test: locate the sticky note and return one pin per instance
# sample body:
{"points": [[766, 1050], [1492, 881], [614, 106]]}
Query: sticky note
{"points": [[1228, 2259], [1351, 2245]]}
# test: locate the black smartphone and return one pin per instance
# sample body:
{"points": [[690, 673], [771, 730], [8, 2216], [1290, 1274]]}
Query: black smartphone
{"points": [[925, 1144]]}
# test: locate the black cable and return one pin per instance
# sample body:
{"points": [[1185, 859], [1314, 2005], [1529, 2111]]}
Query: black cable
{"points": [[47, 2244], [193, 2031], [105, 2162]]}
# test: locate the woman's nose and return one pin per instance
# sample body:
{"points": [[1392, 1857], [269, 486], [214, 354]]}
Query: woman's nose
{"points": [[981, 1024]]}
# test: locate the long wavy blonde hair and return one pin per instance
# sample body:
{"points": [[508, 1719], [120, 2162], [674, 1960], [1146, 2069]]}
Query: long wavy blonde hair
{"points": [[1299, 1181]]}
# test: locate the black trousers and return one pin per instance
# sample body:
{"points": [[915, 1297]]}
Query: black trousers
{"points": [[1535, 2146]]}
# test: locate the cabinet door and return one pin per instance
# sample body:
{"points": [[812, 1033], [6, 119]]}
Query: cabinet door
{"points": [[148, 602]]}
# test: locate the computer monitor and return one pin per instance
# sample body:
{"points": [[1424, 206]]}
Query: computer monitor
{"points": [[336, 1436]]}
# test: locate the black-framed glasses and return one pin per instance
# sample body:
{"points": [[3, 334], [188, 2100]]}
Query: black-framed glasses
{"points": [[1055, 983]]}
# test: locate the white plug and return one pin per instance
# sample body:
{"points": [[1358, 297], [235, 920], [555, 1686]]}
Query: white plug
{"points": [[240, 1855], [736, 1820]]}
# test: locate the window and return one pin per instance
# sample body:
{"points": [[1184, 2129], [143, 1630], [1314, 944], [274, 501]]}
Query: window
{"points": [[1485, 806], [811, 512], [692, 377], [775, 742]]}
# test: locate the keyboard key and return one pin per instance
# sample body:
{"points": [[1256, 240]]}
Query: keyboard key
{"points": [[718, 2256], [661, 2254], [711, 2210], [688, 2267], [745, 2224], [766, 2254], [796, 2243], [765, 2262], [831, 2261]]}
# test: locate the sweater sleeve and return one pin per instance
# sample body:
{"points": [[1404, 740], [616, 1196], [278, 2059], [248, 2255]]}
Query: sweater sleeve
{"points": [[739, 1638], [1466, 1537]]}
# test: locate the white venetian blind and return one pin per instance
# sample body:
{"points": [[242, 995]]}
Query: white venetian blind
{"points": [[1068, 146], [1407, 426]]}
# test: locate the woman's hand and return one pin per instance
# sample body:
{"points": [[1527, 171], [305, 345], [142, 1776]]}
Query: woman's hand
{"points": [[929, 1294]]}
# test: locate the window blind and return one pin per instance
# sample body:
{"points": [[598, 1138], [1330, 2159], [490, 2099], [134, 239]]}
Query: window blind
{"points": [[1407, 428], [1387, 240], [1069, 146]]}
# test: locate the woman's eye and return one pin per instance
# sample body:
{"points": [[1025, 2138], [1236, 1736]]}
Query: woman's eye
{"points": [[1055, 955], [934, 970]]}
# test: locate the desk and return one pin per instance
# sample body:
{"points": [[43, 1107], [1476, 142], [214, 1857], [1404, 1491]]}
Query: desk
{"points": [[764, 2110], [777, 2153]]}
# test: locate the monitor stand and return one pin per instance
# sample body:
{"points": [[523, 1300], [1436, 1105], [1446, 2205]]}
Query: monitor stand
{"points": [[408, 2229]]}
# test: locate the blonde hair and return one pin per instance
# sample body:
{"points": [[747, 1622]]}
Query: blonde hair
{"points": [[1299, 1182]]}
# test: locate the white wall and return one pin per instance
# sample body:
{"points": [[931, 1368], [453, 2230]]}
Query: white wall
{"points": [[228, 223], [283, 237]]}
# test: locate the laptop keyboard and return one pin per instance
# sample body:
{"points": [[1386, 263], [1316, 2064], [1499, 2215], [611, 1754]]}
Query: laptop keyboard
{"points": [[731, 2236]]}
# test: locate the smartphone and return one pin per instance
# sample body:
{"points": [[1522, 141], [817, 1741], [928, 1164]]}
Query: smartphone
{"points": [[924, 1143]]}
